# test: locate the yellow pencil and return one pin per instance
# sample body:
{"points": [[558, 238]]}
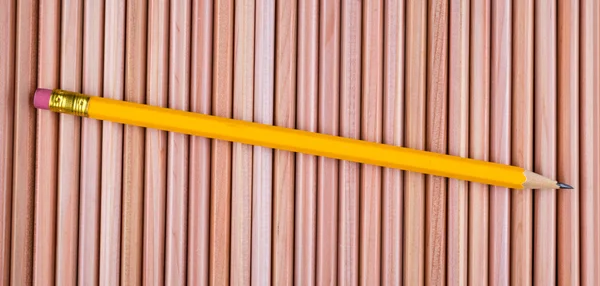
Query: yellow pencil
{"points": [[291, 140]]}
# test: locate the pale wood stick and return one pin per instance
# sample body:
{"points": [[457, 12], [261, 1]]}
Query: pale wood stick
{"points": [[589, 275], [133, 146], [178, 144], [500, 139], [220, 216], [262, 169], [350, 79], [437, 118], [544, 261], [89, 210], [243, 108], [155, 173], [306, 115], [371, 130], [284, 162], [458, 140], [414, 183], [135, 87], [479, 139], [596, 151], [112, 146], [568, 255], [327, 206], [7, 102], [200, 101], [67, 213], [393, 134], [521, 232], [45, 140]]}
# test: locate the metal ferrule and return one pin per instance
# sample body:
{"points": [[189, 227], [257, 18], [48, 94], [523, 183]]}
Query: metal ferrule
{"points": [[69, 102]]}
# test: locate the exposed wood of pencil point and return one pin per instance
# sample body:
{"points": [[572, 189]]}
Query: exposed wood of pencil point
{"points": [[537, 181], [292, 140]]}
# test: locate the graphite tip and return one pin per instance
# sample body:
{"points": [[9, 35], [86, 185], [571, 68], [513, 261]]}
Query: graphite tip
{"points": [[564, 186]]}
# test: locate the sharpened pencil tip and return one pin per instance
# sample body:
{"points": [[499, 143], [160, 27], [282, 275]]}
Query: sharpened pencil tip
{"points": [[564, 186]]}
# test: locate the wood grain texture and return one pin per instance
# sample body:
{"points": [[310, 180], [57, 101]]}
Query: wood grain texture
{"points": [[568, 255], [458, 140], [23, 257], [500, 139], [415, 129], [91, 133], [133, 145], [371, 130], [262, 160], [545, 68], [222, 96], [243, 108], [67, 208], [393, 134], [328, 123], [479, 116], [306, 165], [45, 139], [350, 91], [135, 86], [178, 144], [513, 82], [7, 101], [437, 137], [284, 162], [112, 145], [155, 166], [200, 101], [596, 152], [521, 231]]}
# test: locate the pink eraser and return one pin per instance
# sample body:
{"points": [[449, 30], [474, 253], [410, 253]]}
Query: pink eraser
{"points": [[41, 98]]}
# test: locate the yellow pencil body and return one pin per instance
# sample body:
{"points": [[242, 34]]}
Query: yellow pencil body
{"points": [[305, 142]]}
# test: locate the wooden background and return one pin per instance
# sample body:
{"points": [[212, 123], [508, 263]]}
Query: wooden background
{"points": [[87, 202]]}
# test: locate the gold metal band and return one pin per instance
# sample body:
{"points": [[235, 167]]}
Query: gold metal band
{"points": [[69, 102]]}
